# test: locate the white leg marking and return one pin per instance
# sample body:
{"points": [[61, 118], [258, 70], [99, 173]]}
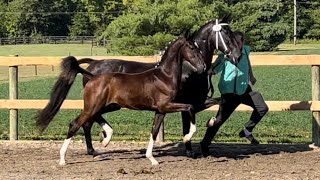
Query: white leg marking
{"points": [[192, 130], [246, 132], [63, 151], [109, 132], [149, 152], [210, 123]]}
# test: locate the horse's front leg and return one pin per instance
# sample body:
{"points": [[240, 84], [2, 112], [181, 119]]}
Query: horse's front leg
{"points": [[192, 128], [158, 119], [189, 124], [186, 119]]}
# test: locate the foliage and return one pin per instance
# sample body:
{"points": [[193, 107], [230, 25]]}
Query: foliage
{"points": [[266, 23], [27, 17], [262, 23], [3, 30], [314, 30], [81, 26]]}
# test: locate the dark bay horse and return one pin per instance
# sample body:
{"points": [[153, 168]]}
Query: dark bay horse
{"points": [[213, 35], [153, 90]]}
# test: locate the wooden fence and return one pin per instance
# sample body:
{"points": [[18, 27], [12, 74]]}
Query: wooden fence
{"points": [[13, 104], [50, 40]]}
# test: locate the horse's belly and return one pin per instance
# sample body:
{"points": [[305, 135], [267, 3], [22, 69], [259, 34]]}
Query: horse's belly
{"points": [[136, 102], [194, 90]]}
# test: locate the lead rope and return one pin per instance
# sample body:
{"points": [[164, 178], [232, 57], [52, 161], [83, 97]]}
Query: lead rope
{"points": [[211, 90]]}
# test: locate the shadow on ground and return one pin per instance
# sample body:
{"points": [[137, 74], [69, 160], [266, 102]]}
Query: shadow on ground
{"points": [[226, 150]]}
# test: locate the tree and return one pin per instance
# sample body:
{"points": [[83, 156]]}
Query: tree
{"points": [[3, 30], [263, 23], [313, 11], [154, 23], [81, 26], [33, 17]]}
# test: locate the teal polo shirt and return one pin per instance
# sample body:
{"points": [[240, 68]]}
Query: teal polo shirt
{"points": [[234, 78]]}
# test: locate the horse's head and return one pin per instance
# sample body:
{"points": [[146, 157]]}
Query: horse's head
{"points": [[217, 34], [192, 56], [224, 38]]}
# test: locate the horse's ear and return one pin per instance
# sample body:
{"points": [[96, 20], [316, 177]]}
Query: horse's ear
{"points": [[186, 33], [226, 18]]}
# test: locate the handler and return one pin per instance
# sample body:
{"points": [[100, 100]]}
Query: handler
{"points": [[235, 86]]}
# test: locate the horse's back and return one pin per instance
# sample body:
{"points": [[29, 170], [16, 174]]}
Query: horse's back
{"points": [[118, 65]]}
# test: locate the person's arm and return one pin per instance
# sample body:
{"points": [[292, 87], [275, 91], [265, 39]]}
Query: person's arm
{"points": [[253, 80]]}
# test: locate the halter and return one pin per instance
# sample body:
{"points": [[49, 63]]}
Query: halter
{"points": [[217, 28]]}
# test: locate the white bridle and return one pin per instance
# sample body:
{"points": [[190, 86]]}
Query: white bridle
{"points": [[217, 28]]}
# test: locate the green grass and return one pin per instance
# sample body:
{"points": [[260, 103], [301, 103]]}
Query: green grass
{"points": [[88, 50], [298, 49], [53, 50]]}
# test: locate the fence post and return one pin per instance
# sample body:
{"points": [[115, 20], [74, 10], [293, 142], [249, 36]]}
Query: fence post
{"points": [[160, 137], [36, 70], [316, 97], [13, 94]]}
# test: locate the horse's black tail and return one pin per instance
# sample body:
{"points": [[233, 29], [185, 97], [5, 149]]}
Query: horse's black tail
{"points": [[69, 70], [86, 60]]}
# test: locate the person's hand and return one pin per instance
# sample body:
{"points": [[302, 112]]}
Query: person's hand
{"points": [[253, 80]]}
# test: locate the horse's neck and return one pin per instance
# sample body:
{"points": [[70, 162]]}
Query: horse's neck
{"points": [[171, 65], [206, 44]]}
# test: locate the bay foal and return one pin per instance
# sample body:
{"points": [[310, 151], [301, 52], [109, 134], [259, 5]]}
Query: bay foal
{"points": [[152, 90]]}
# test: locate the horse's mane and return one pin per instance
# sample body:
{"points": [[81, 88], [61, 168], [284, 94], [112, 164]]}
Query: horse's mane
{"points": [[164, 56], [225, 19]]}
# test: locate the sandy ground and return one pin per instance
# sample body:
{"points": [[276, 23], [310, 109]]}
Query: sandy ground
{"points": [[124, 160]]}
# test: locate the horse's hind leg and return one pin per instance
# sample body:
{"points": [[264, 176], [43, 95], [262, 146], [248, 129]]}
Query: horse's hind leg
{"points": [[107, 131], [154, 132], [87, 134], [73, 128], [107, 134]]}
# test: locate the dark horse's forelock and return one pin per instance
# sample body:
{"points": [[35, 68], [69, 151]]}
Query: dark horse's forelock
{"points": [[226, 18]]}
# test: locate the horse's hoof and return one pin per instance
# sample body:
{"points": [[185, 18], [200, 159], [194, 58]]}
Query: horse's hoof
{"points": [[62, 163], [204, 150], [155, 163], [91, 152], [105, 142], [191, 154]]}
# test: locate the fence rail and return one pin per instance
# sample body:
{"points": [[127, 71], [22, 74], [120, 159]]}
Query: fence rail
{"points": [[13, 104], [53, 40], [78, 104]]}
